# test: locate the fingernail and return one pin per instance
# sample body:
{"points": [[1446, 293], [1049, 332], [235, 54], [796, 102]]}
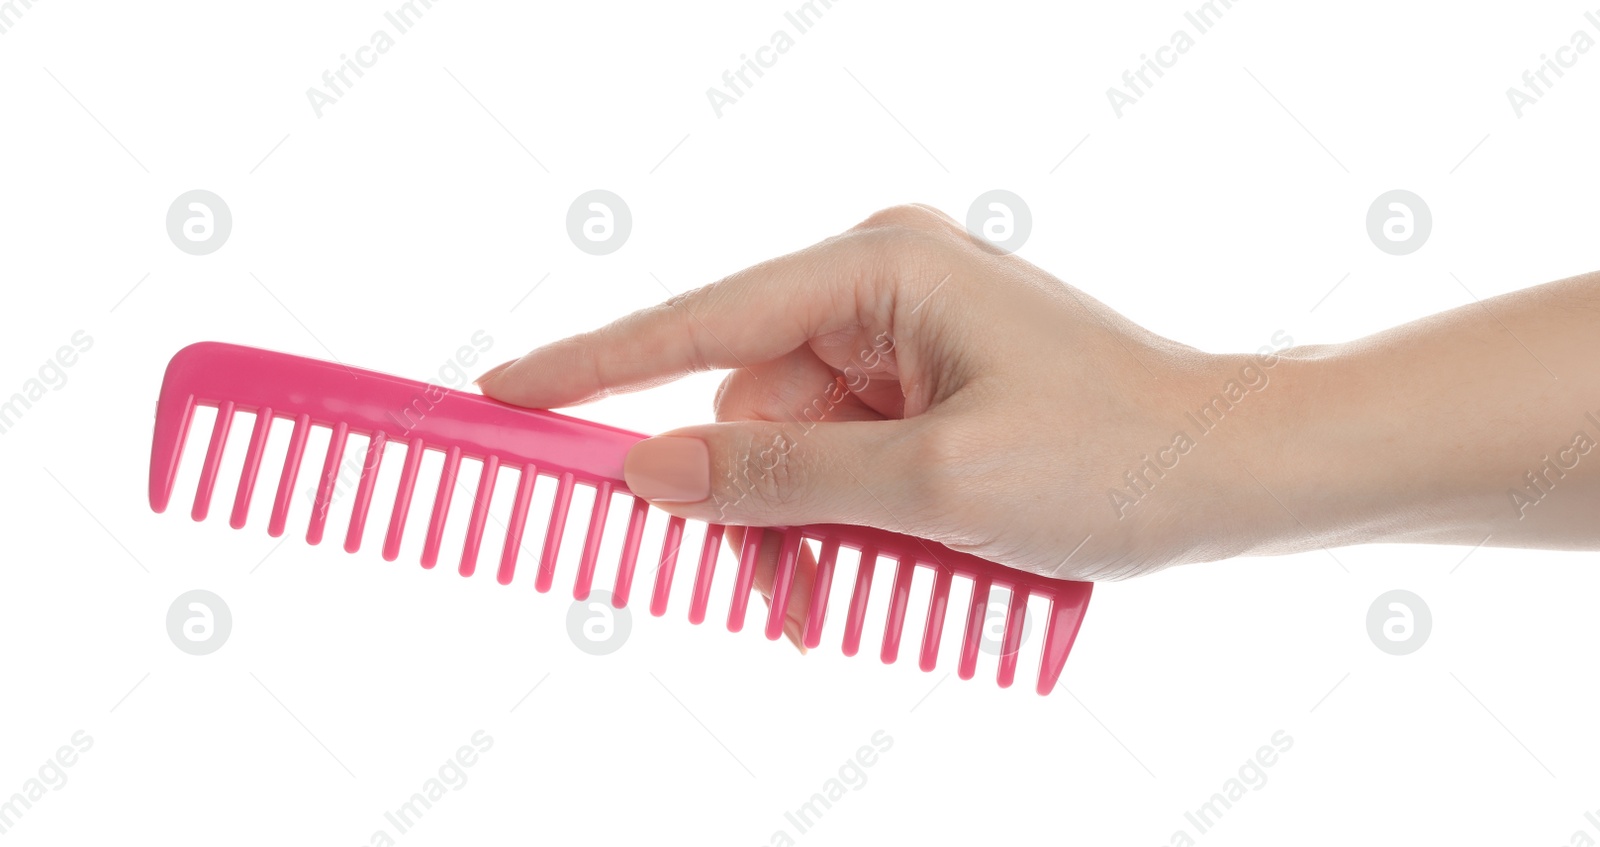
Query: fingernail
{"points": [[492, 372], [669, 468], [792, 629]]}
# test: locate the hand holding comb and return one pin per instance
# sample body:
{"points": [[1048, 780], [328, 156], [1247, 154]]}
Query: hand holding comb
{"points": [[461, 425]]}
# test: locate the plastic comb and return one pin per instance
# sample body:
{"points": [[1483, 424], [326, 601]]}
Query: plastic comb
{"points": [[463, 425]]}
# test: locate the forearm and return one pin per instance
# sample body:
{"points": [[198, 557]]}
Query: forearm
{"points": [[1478, 423]]}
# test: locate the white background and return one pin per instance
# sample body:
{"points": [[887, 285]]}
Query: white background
{"points": [[1220, 208]]}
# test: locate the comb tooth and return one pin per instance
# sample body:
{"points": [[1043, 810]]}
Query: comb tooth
{"points": [[252, 467], [402, 500], [552, 536], [441, 508], [1015, 617], [702, 578], [935, 627], [669, 562], [369, 478], [977, 614], [330, 475], [173, 416], [746, 577], [630, 552], [819, 593], [591, 541], [291, 470], [480, 513], [519, 518], [208, 471], [1065, 616], [782, 578], [898, 597], [858, 602]]}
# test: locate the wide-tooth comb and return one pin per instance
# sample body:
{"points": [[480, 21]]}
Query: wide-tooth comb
{"points": [[463, 425]]}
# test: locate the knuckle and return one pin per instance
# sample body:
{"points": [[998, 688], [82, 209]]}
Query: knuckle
{"points": [[719, 403], [687, 332], [904, 259], [910, 239], [905, 216], [755, 393]]}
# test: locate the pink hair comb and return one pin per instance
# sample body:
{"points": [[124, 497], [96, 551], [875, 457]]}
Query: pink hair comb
{"points": [[465, 425]]}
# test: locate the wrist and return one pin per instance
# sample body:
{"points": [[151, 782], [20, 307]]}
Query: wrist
{"points": [[1239, 425], [1303, 470], [1269, 459], [1354, 445]]}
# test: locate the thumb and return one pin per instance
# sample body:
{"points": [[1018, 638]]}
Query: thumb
{"points": [[765, 473]]}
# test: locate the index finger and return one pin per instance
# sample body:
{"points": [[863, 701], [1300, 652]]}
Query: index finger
{"points": [[755, 315]]}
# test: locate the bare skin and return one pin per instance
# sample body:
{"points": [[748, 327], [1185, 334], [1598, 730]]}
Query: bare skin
{"points": [[903, 375]]}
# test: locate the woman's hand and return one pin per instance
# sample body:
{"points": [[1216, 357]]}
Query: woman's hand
{"points": [[906, 376]]}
